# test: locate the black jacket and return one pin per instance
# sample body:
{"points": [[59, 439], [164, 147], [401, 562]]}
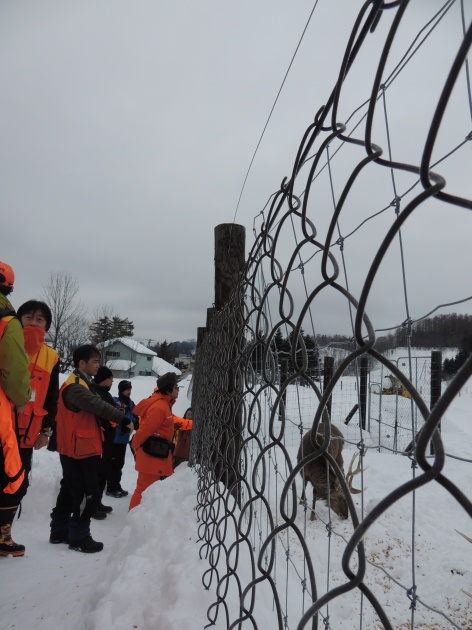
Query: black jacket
{"points": [[107, 426]]}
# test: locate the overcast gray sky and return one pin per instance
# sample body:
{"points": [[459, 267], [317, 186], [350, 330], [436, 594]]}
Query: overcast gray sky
{"points": [[128, 127]]}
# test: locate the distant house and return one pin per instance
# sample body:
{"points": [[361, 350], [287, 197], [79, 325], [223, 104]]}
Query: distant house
{"points": [[127, 357]]}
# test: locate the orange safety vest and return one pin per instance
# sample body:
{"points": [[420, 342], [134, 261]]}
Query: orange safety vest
{"points": [[13, 472], [78, 434], [29, 423]]}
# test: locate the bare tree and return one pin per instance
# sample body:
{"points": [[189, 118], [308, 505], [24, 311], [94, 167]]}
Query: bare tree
{"points": [[75, 334], [104, 310], [69, 327]]}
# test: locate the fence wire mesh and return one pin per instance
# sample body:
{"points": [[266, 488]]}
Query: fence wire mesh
{"points": [[323, 243]]}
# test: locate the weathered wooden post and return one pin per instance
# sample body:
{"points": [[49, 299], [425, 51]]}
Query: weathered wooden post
{"points": [[210, 317], [230, 241], [195, 451], [328, 370], [201, 331], [283, 378]]}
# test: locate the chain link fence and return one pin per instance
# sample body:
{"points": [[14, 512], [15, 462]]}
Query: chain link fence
{"points": [[329, 237]]}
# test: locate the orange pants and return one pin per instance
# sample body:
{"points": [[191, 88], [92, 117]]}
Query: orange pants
{"points": [[144, 481]]}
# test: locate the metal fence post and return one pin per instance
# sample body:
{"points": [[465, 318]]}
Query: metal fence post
{"points": [[436, 375], [364, 373]]}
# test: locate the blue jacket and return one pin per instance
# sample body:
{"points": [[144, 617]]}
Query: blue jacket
{"points": [[128, 404]]}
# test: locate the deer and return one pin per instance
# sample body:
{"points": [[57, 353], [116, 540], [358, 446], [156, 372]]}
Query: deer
{"points": [[325, 484]]}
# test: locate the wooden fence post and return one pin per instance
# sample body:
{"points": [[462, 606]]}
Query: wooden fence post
{"points": [[283, 378], [230, 242], [210, 317], [328, 370], [195, 452]]}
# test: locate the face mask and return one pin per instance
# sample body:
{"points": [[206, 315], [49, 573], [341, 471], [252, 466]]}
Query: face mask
{"points": [[34, 338]]}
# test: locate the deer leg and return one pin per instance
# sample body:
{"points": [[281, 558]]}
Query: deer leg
{"points": [[313, 515], [303, 497]]}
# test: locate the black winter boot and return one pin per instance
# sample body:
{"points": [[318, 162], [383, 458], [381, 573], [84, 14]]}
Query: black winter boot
{"points": [[87, 545], [57, 539], [118, 494]]}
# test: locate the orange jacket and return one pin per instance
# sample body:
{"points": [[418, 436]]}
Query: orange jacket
{"points": [[78, 433], [12, 466], [29, 423], [156, 418]]}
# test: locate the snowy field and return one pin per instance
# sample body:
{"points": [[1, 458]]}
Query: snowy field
{"points": [[413, 543], [149, 575]]}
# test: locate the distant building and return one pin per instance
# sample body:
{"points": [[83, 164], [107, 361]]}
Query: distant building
{"points": [[185, 359], [127, 357]]}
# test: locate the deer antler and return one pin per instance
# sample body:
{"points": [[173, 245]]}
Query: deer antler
{"points": [[464, 536], [351, 473], [470, 540]]}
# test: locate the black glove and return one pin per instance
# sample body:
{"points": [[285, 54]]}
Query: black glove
{"points": [[124, 429], [52, 444]]}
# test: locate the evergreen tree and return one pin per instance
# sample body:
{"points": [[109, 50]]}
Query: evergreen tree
{"points": [[451, 366], [155, 347], [312, 354], [281, 344], [165, 352], [114, 327]]}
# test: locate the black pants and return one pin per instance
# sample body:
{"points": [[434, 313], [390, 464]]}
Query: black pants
{"points": [[105, 463], [78, 498], [116, 467], [13, 500]]}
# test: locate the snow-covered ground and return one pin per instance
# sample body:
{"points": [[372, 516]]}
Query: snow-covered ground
{"points": [[149, 575]]}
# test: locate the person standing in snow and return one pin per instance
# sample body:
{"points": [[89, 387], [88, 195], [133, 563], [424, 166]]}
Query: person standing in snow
{"points": [[182, 445], [15, 392], [103, 380], [34, 426], [156, 420], [79, 443], [121, 439]]}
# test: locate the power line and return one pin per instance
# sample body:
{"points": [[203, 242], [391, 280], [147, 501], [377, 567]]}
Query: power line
{"points": [[271, 111]]}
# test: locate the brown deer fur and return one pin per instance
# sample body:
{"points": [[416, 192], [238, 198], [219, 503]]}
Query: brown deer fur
{"points": [[316, 471]]}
